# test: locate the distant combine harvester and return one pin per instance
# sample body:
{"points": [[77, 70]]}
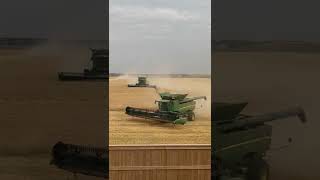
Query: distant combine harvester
{"points": [[142, 82], [98, 71]]}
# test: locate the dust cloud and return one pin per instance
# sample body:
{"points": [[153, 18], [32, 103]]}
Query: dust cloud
{"points": [[130, 79], [72, 56]]}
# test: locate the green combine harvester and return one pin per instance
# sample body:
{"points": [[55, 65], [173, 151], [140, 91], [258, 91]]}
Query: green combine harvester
{"points": [[242, 141], [142, 82], [173, 108], [98, 70]]}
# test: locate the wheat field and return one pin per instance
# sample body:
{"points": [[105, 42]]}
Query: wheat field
{"points": [[124, 129]]}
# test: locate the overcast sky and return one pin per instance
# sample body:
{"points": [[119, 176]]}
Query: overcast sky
{"points": [[160, 36]]}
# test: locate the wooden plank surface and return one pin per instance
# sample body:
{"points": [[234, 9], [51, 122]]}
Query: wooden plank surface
{"points": [[160, 162]]}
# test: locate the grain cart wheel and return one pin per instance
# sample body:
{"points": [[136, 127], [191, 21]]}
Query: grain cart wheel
{"points": [[191, 116], [258, 169]]}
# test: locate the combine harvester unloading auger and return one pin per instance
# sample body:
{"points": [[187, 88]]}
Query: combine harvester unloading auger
{"points": [[80, 159], [98, 71], [173, 108]]}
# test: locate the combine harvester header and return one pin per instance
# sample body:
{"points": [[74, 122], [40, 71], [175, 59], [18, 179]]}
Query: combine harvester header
{"points": [[79, 159]]}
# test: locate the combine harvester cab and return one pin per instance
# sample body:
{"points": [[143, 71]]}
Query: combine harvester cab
{"points": [[98, 71], [142, 82], [173, 108], [241, 141]]}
